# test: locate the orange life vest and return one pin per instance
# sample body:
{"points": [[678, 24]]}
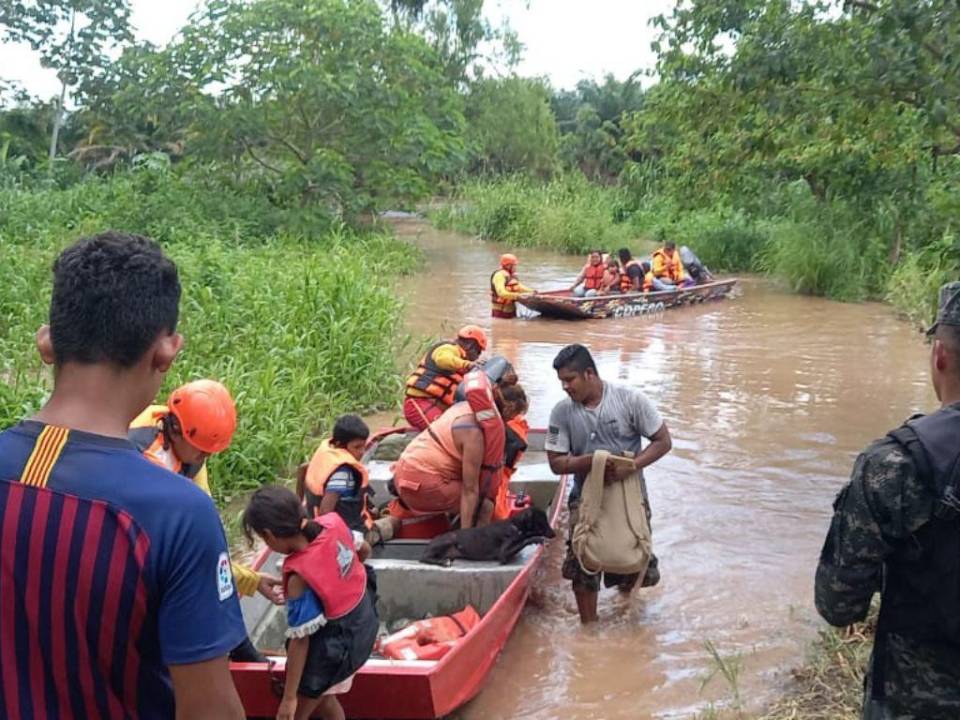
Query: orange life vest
{"points": [[479, 394], [147, 435], [593, 276], [503, 506], [626, 282], [324, 463], [672, 266], [501, 306], [429, 639], [434, 381], [330, 567]]}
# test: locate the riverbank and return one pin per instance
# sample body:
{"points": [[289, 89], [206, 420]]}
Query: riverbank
{"points": [[813, 248], [298, 318]]}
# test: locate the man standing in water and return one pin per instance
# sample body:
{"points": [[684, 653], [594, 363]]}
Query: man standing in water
{"points": [[598, 415], [896, 529]]}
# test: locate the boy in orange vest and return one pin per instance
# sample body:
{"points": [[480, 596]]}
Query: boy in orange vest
{"points": [[337, 481]]}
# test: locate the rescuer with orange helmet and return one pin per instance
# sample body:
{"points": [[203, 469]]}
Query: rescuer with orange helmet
{"points": [[432, 386], [505, 288], [198, 421]]}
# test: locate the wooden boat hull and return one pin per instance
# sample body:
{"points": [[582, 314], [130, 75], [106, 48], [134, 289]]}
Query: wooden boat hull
{"points": [[404, 689], [565, 306]]}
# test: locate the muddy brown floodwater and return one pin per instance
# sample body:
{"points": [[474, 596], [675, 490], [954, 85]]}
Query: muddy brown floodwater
{"points": [[769, 397]]}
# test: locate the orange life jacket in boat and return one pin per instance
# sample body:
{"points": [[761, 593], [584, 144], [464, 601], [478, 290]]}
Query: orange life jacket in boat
{"points": [[479, 394], [626, 282], [647, 285], [519, 430], [664, 266], [429, 639], [593, 276], [330, 567], [501, 306], [434, 381], [324, 463]]}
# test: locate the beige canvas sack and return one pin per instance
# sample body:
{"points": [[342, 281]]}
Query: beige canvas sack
{"points": [[612, 533]]}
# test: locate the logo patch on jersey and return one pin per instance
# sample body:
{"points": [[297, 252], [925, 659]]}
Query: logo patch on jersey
{"points": [[224, 577], [553, 434], [344, 558]]}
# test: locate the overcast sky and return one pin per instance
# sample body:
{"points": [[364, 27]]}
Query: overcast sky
{"points": [[566, 40]]}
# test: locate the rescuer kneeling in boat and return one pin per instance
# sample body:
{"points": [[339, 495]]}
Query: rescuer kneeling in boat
{"points": [[432, 386], [199, 420], [598, 415], [505, 288], [442, 469]]}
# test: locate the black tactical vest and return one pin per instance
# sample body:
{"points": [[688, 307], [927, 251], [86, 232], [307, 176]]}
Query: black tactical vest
{"points": [[921, 588]]}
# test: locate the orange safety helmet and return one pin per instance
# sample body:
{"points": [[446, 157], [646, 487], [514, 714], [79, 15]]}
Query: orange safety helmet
{"points": [[206, 414], [508, 259], [474, 332]]}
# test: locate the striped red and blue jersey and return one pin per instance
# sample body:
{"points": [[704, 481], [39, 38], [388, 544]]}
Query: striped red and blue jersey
{"points": [[112, 569]]}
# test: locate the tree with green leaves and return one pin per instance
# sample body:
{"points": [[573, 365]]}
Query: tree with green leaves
{"points": [[511, 126], [71, 36], [325, 100]]}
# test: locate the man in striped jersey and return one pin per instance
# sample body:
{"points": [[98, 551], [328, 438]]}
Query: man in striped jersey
{"points": [[116, 596]]}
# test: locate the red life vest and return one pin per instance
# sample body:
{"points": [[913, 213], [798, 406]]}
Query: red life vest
{"points": [[626, 282], [593, 276], [429, 639], [479, 394], [330, 567], [434, 381]]}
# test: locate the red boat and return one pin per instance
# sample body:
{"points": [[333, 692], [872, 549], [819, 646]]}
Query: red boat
{"points": [[410, 590]]}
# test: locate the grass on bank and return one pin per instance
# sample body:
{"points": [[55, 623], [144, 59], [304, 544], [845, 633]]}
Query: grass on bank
{"points": [[300, 327]]}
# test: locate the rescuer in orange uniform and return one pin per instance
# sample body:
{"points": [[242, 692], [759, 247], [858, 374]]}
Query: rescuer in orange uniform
{"points": [[505, 288]]}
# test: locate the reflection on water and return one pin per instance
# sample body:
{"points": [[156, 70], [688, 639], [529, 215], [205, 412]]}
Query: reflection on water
{"points": [[769, 397]]}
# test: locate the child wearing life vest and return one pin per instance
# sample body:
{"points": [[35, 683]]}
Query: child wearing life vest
{"points": [[331, 611], [337, 481], [611, 277]]}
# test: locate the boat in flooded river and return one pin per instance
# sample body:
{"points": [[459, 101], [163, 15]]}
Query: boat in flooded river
{"points": [[409, 589], [564, 305]]}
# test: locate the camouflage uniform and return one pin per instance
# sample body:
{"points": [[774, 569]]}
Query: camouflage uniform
{"points": [[886, 520]]}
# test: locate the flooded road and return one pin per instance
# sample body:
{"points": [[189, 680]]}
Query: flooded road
{"points": [[768, 397]]}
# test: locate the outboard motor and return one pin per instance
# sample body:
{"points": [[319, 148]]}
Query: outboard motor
{"points": [[695, 269]]}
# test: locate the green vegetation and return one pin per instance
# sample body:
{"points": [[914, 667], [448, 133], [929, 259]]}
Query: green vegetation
{"points": [[568, 214], [300, 327]]}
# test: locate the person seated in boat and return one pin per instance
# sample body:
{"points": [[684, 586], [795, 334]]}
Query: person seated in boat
{"points": [[440, 470], [650, 283], [198, 421], [505, 288], [668, 266], [590, 279], [611, 277], [631, 272], [332, 620], [431, 387], [336, 480]]}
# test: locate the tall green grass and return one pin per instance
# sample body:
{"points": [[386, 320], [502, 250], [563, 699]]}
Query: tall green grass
{"points": [[568, 214], [300, 327]]}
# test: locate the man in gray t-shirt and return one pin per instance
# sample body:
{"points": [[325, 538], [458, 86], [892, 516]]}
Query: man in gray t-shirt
{"points": [[598, 415]]}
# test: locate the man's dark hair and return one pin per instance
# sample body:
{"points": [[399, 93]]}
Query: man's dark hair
{"points": [[645, 266], [574, 357], [669, 245], [625, 255], [349, 427], [113, 295]]}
